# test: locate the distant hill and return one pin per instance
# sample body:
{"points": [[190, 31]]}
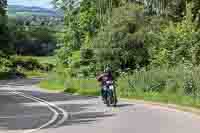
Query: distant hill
{"points": [[15, 10]]}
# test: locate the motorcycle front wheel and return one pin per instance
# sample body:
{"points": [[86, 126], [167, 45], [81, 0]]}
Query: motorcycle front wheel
{"points": [[108, 101]]}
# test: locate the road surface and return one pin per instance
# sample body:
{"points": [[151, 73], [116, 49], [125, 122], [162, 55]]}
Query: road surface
{"points": [[25, 108]]}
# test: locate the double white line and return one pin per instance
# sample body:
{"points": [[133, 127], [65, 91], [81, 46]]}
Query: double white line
{"points": [[54, 108]]}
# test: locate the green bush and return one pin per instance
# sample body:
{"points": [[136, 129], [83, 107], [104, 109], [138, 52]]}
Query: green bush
{"points": [[5, 63], [31, 40], [26, 63], [174, 43]]}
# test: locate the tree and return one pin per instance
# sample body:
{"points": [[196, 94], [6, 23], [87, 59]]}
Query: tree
{"points": [[66, 5], [196, 11], [3, 27], [176, 9], [5, 63], [174, 43], [121, 44], [3, 5], [81, 25]]}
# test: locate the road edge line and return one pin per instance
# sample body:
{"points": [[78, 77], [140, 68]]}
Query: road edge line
{"points": [[165, 105]]}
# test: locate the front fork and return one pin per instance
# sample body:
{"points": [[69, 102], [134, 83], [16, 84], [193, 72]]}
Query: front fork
{"points": [[109, 92], [105, 92]]}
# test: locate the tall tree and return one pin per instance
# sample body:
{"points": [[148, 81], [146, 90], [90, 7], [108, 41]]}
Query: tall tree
{"points": [[5, 64], [3, 26], [196, 11], [3, 5], [65, 5], [175, 9]]}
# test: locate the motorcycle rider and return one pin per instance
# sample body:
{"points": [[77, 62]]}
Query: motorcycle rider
{"points": [[105, 76]]}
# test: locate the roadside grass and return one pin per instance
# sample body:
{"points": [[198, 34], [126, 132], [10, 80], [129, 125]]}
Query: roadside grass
{"points": [[172, 86], [84, 86], [55, 85], [58, 85], [46, 59], [187, 101], [90, 87], [71, 85], [34, 73], [176, 85]]}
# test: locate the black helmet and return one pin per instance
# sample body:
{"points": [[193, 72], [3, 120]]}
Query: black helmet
{"points": [[107, 69]]}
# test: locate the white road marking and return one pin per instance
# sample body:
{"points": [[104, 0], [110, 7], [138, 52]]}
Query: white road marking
{"points": [[50, 106], [64, 113], [55, 116], [6, 93], [64, 102], [23, 116]]}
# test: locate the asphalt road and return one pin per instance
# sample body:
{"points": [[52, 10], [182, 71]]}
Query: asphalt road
{"points": [[25, 108]]}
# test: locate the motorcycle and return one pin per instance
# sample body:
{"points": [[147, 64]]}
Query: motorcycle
{"points": [[110, 97]]}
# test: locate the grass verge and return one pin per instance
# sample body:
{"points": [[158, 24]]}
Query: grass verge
{"points": [[78, 86], [177, 85], [91, 87], [53, 85], [187, 101], [34, 73]]}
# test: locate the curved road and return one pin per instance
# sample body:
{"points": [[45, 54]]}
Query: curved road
{"points": [[25, 108]]}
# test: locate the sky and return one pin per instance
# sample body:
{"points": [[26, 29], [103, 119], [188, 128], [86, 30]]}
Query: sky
{"points": [[39, 3]]}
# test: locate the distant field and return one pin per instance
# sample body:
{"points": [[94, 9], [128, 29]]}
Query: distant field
{"points": [[17, 10], [31, 68], [46, 59], [28, 14], [43, 59]]}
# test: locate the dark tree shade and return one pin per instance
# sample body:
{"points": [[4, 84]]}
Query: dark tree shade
{"points": [[4, 35], [3, 5]]}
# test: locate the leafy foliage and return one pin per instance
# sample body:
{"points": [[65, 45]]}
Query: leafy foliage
{"points": [[5, 63], [175, 43], [84, 33], [4, 34], [31, 63], [30, 40], [121, 42], [157, 39], [127, 34]]}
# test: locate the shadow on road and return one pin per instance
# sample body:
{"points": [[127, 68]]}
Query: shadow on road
{"points": [[86, 118], [123, 105], [20, 82]]}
